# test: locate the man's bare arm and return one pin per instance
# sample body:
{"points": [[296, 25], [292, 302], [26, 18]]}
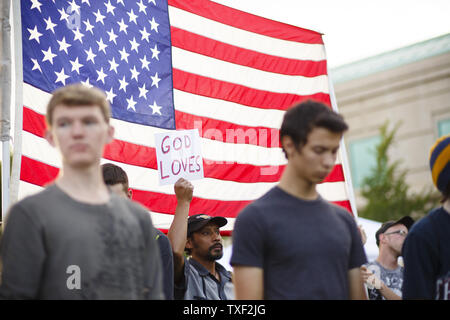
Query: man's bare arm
{"points": [[355, 285], [248, 283], [387, 293], [178, 229]]}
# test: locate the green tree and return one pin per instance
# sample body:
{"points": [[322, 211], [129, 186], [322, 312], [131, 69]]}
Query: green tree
{"points": [[387, 193]]}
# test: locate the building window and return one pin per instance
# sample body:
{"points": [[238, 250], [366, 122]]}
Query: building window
{"points": [[362, 158], [443, 127]]}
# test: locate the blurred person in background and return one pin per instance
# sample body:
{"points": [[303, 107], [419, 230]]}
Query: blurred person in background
{"points": [[384, 276], [426, 251], [117, 180]]}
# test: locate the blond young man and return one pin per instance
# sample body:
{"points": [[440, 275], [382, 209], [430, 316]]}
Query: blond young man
{"points": [[76, 239]]}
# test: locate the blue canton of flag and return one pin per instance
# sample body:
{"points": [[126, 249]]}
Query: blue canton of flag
{"points": [[122, 48]]}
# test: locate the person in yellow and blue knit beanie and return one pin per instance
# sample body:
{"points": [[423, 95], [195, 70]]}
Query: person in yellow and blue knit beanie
{"points": [[440, 164], [426, 251]]}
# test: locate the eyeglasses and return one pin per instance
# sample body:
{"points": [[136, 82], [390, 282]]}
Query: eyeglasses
{"points": [[400, 232]]}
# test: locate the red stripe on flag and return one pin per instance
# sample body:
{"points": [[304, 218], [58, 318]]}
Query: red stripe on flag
{"points": [[230, 132], [212, 48], [227, 131], [36, 172], [226, 233], [248, 21], [33, 122], [344, 204], [165, 203], [232, 92]]}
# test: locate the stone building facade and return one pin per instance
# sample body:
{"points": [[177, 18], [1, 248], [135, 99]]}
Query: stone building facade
{"points": [[410, 85]]}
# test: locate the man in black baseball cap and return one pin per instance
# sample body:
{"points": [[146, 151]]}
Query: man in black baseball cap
{"points": [[198, 276], [407, 221], [198, 221], [384, 276]]}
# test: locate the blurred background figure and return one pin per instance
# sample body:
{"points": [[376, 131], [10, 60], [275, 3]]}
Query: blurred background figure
{"points": [[427, 248], [117, 180], [384, 276]]}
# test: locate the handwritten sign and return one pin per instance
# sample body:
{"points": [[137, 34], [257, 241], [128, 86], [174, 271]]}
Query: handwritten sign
{"points": [[179, 156]]}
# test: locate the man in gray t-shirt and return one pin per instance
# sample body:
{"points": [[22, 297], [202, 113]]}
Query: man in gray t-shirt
{"points": [[391, 279], [75, 239], [55, 247]]}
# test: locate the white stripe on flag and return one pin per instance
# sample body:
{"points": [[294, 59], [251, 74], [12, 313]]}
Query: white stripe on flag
{"points": [[257, 79], [226, 110], [245, 39]]}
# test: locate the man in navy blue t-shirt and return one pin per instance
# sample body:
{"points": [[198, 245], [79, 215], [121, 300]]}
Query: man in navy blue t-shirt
{"points": [[426, 251], [291, 243]]}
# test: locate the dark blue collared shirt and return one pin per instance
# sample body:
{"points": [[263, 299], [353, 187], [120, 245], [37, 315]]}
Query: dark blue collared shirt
{"points": [[199, 284]]}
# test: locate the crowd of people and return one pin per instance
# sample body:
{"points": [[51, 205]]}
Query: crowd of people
{"points": [[83, 237]]}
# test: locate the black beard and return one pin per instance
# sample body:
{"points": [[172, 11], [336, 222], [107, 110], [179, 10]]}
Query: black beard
{"points": [[214, 257]]}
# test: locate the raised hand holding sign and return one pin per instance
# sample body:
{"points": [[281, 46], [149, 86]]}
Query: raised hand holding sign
{"points": [[179, 156]]}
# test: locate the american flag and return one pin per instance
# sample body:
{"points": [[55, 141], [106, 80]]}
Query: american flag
{"points": [[174, 65]]}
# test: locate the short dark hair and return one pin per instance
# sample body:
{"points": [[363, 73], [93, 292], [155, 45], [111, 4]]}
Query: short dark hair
{"points": [[113, 174], [303, 117]]}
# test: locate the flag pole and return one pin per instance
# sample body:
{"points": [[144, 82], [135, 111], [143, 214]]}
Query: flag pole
{"points": [[17, 76], [343, 153], [5, 77]]}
